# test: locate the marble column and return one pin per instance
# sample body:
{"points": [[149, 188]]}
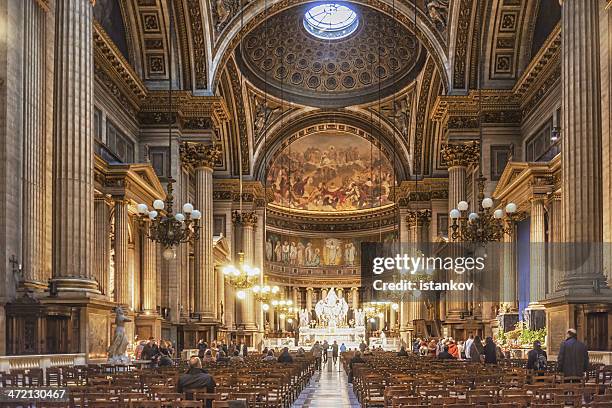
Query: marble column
{"points": [[102, 249], [309, 294], [458, 157], [202, 159], [73, 207], [509, 293], [417, 222], [246, 222], [392, 318], [35, 141], [149, 275], [122, 277], [537, 254], [582, 200], [355, 298], [556, 251]]}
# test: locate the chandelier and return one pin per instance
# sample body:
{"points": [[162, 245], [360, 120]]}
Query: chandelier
{"points": [[377, 309], [285, 309], [241, 277], [165, 227], [485, 225], [264, 295]]}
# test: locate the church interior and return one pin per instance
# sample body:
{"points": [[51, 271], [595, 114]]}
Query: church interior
{"points": [[208, 172]]}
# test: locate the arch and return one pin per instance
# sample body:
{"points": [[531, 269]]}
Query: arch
{"points": [[349, 122]]}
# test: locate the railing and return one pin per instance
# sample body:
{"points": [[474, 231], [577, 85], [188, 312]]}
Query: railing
{"points": [[602, 357], [44, 361]]}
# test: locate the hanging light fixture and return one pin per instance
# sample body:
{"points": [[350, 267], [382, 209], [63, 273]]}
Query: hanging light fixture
{"points": [[285, 309], [165, 227], [265, 294], [241, 277], [484, 225]]}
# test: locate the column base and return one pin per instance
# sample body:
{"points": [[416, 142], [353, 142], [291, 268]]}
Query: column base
{"points": [[86, 321], [148, 324], [535, 316], [591, 318], [69, 284], [583, 285]]}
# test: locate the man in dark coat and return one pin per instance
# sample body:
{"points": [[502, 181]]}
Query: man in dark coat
{"points": [[285, 357], [196, 378], [573, 358], [537, 358], [355, 360], [445, 355]]}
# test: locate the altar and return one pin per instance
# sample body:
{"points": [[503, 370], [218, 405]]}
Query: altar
{"points": [[331, 323], [350, 336]]}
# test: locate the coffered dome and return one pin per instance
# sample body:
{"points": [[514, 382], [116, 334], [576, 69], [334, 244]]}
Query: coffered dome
{"points": [[308, 63]]}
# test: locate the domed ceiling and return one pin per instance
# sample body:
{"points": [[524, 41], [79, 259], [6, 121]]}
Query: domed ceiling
{"points": [[298, 66], [330, 172]]}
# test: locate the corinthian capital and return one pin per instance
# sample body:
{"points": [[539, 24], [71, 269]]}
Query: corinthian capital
{"points": [[418, 217], [196, 154], [244, 217], [461, 155]]}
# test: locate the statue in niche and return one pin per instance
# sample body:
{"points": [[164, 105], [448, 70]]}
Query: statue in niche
{"points": [[438, 12], [263, 116], [117, 350], [349, 254], [403, 108]]}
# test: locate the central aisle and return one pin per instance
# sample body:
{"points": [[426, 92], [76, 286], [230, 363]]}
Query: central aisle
{"points": [[328, 388]]}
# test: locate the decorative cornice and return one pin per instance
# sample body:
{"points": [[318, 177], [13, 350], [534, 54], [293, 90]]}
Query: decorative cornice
{"points": [[115, 72], [206, 110], [418, 217], [197, 155], [244, 217], [460, 155], [423, 190], [229, 190], [462, 111]]}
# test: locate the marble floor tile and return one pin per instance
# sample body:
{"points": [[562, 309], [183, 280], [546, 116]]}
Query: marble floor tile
{"points": [[328, 388]]}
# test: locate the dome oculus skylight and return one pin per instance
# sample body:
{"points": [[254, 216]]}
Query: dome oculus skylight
{"points": [[331, 21]]}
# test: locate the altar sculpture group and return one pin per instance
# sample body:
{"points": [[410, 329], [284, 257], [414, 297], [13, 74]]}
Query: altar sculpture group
{"points": [[331, 323]]}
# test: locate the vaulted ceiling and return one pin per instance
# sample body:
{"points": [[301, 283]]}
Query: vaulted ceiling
{"points": [[274, 92]]}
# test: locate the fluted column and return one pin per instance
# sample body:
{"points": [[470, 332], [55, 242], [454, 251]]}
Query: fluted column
{"points": [[122, 281], [537, 259], [309, 293], [392, 318], [458, 157], [582, 148], [149, 275], [35, 143], [556, 252], [509, 296], [355, 298], [73, 230], [246, 222], [103, 244], [202, 159]]}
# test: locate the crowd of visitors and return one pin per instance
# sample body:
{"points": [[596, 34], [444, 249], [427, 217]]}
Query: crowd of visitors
{"points": [[572, 360]]}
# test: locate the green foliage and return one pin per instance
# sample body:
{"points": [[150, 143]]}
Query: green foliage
{"points": [[520, 336]]}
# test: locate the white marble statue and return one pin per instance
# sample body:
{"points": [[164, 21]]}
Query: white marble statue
{"points": [[304, 318], [117, 351], [332, 311]]}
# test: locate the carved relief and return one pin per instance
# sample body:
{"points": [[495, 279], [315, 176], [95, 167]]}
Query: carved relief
{"points": [[264, 115], [438, 12], [461, 45]]}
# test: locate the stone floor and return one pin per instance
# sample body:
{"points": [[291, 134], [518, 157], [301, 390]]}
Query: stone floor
{"points": [[328, 388]]}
